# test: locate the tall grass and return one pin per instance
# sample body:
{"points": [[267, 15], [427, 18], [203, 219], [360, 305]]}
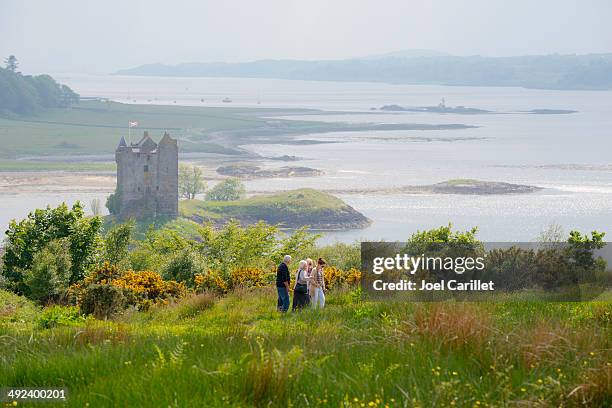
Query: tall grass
{"points": [[239, 351]]}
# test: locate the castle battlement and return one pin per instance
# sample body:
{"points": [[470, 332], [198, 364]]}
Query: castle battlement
{"points": [[147, 177]]}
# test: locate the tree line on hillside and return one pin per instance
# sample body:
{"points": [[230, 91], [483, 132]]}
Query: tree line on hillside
{"points": [[591, 71], [29, 94]]}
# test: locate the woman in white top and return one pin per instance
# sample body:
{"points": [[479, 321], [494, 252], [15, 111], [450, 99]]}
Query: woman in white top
{"points": [[300, 289]]}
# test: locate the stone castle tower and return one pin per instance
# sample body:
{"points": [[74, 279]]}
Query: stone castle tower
{"points": [[147, 178]]}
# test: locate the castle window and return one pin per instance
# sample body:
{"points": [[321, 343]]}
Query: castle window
{"points": [[146, 168]]}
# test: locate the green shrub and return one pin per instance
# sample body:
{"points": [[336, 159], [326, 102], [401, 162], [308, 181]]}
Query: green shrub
{"points": [[227, 190], [103, 301], [116, 244], [42, 226], [57, 315], [184, 266], [49, 275], [112, 203], [341, 255]]}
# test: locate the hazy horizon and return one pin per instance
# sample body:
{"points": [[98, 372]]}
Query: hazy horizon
{"points": [[68, 36]]}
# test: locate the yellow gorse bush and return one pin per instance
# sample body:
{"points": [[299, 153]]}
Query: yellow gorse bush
{"points": [[150, 285], [141, 289], [250, 277], [211, 280], [257, 277], [335, 277]]}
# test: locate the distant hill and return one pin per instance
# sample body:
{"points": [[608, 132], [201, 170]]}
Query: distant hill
{"points": [[26, 94], [592, 71]]}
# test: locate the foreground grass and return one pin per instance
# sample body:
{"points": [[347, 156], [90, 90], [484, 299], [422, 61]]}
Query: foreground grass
{"points": [[238, 351]]}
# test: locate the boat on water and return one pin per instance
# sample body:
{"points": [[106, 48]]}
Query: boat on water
{"points": [[226, 100]]}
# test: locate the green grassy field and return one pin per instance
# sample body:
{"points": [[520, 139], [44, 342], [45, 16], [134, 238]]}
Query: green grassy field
{"points": [[94, 127], [238, 351]]}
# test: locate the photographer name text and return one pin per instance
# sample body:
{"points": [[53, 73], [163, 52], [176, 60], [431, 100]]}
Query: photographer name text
{"points": [[442, 285]]}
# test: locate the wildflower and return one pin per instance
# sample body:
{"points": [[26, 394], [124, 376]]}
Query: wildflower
{"points": [[540, 381], [455, 373]]}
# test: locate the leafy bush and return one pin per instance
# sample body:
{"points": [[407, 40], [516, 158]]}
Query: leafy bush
{"points": [[116, 244], [184, 266], [227, 190], [26, 237], [112, 203], [159, 245], [254, 246], [57, 315], [101, 300], [341, 255], [49, 275]]}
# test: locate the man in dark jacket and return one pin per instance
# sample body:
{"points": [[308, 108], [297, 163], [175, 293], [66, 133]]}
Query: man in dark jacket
{"points": [[283, 279]]}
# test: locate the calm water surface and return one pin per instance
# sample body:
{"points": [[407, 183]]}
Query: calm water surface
{"points": [[569, 155]]}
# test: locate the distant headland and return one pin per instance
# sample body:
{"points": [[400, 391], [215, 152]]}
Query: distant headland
{"points": [[563, 72]]}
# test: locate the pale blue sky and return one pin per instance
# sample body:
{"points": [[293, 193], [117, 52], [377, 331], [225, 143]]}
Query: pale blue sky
{"points": [[103, 36]]}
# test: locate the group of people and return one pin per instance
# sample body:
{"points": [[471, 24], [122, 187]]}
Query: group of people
{"points": [[308, 287]]}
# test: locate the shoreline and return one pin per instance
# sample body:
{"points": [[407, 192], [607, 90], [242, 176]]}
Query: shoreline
{"points": [[30, 182]]}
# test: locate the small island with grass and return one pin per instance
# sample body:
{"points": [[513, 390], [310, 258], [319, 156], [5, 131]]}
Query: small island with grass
{"points": [[290, 209]]}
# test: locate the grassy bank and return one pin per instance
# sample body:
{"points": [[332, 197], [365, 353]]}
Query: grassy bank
{"points": [[94, 127], [291, 209], [238, 351]]}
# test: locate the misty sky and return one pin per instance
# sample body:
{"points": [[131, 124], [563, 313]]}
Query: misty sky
{"points": [[82, 36]]}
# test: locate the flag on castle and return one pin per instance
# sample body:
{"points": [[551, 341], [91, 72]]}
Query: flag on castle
{"points": [[133, 124]]}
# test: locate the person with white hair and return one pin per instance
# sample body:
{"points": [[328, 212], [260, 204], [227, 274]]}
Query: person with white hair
{"points": [[283, 280], [301, 298]]}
